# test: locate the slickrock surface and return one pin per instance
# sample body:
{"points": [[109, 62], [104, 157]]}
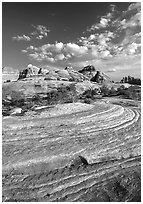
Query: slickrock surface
{"points": [[41, 154]]}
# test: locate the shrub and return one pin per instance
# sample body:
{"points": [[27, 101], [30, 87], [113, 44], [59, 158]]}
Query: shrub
{"points": [[89, 94], [63, 94], [105, 91]]}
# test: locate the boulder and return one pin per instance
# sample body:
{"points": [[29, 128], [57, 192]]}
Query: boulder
{"points": [[63, 74], [75, 75], [29, 71], [16, 111], [78, 161]]}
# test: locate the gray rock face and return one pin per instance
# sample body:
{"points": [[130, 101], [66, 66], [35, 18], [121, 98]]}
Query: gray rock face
{"points": [[88, 71], [16, 111], [75, 75], [94, 75], [100, 77], [78, 161], [67, 74], [29, 71]]}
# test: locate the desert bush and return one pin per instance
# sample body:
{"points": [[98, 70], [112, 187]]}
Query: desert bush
{"points": [[88, 100], [112, 92], [89, 94], [133, 92], [105, 91], [63, 94]]}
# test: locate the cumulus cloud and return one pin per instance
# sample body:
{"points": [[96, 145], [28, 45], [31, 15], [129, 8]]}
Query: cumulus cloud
{"points": [[40, 37], [22, 37], [50, 59], [75, 50], [35, 56], [131, 49], [129, 18], [59, 57], [104, 20], [40, 31], [121, 39], [24, 51], [134, 6]]}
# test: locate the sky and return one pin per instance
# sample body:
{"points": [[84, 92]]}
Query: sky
{"points": [[60, 34]]}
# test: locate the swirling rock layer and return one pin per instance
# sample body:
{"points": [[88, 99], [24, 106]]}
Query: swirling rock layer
{"points": [[38, 150]]}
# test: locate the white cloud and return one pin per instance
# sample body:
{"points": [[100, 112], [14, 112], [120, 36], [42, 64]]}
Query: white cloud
{"points": [[92, 37], [59, 57], [35, 56], [50, 59], [24, 51], [94, 52], [105, 53], [58, 46], [40, 30], [40, 37], [111, 70], [134, 6], [75, 50], [134, 21], [103, 22], [22, 37], [131, 49]]}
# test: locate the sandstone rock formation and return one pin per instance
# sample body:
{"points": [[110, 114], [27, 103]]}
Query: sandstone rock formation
{"points": [[67, 74], [29, 71], [94, 75], [79, 161], [88, 71], [100, 77], [75, 75]]}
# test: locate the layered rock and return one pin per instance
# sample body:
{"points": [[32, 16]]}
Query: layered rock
{"points": [[94, 75], [100, 77], [88, 71], [67, 74], [75, 75], [30, 71]]}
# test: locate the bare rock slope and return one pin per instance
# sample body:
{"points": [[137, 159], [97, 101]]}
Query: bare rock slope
{"points": [[42, 154]]}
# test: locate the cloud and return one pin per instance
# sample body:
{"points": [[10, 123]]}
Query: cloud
{"points": [[105, 53], [59, 57], [117, 37], [40, 31], [134, 6], [35, 56], [40, 37], [104, 20], [131, 49], [24, 51], [129, 18], [75, 50], [134, 21], [50, 59], [22, 37], [111, 70]]}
